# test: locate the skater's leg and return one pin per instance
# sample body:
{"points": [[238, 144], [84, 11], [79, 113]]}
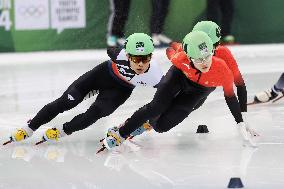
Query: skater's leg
{"points": [[75, 93], [106, 103], [168, 88], [279, 85], [70, 98], [181, 107]]}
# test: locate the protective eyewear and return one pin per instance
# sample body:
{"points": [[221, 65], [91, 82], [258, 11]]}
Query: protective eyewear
{"points": [[202, 60], [137, 59]]}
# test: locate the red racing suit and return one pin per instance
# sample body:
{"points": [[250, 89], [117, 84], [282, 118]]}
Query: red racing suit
{"points": [[219, 74], [225, 54]]}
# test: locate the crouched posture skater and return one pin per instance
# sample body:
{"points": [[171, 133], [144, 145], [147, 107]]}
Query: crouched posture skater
{"points": [[195, 74], [114, 79]]}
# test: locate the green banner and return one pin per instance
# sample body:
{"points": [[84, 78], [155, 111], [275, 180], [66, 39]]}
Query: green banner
{"points": [[42, 25]]}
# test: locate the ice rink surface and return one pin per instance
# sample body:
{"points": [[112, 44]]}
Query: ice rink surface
{"points": [[178, 159]]}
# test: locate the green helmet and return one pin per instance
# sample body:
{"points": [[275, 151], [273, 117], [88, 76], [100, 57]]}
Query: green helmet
{"points": [[197, 44], [139, 44], [211, 28]]}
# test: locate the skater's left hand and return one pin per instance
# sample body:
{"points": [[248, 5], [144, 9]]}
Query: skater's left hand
{"points": [[247, 134], [245, 116]]}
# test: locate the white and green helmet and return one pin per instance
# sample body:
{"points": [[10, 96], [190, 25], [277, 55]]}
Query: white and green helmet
{"points": [[139, 44], [210, 28], [197, 44]]}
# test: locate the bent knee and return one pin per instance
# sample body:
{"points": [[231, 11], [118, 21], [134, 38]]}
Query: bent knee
{"points": [[154, 109], [163, 125]]}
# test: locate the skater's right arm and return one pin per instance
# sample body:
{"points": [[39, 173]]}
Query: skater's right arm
{"points": [[246, 132], [225, 54], [178, 59], [176, 46], [229, 94]]}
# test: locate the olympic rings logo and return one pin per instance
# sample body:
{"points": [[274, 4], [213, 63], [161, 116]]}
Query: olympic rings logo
{"points": [[32, 11]]}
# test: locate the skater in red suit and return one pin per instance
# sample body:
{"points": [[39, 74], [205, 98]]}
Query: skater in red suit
{"points": [[194, 75], [220, 51]]}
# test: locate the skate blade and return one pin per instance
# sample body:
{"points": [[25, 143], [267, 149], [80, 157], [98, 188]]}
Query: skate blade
{"points": [[131, 137], [40, 142], [102, 140], [255, 102], [8, 142], [275, 100], [102, 149]]}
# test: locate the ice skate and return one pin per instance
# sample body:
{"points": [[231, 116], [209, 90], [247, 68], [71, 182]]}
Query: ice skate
{"points": [[20, 135], [280, 96], [111, 140], [52, 134], [145, 127], [267, 96]]}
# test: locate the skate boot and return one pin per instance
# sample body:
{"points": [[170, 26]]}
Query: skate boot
{"points": [[20, 135], [145, 127], [265, 96], [113, 138], [52, 134]]}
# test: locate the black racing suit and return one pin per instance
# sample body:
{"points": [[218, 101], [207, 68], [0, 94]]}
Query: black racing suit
{"points": [[113, 92], [175, 99]]}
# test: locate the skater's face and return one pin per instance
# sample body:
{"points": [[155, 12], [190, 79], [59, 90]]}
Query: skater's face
{"points": [[139, 63], [203, 64]]}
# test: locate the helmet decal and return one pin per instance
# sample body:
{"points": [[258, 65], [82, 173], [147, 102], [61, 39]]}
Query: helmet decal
{"points": [[203, 48], [140, 47]]}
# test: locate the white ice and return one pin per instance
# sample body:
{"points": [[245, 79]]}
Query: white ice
{"points": [[177, 159]]}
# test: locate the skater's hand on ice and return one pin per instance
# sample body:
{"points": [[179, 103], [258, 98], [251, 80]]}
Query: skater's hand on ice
{"points": [[245, 116], [247, 134]]}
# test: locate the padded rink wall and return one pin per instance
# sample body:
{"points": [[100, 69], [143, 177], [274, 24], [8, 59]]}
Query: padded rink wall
{"points": [[43, 25]]}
